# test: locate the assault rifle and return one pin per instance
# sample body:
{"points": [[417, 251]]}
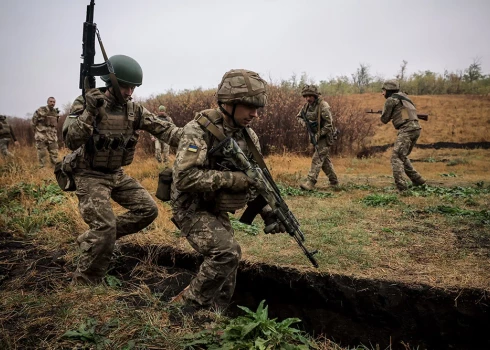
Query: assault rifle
{"points": [[268, 191], [309, 128], [420, 116], [89, 70]]}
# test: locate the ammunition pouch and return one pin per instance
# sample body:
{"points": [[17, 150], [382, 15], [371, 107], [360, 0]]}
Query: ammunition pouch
{"points": [[230, 202], [63, 172], [111, 153], [165, 180], [51, 120]]}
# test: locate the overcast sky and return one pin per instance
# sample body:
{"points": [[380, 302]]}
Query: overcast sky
{"points": [[185, 44]]}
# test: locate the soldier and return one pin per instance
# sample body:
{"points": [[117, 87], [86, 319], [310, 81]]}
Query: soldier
{"points": [[317, 112], [162, 148], [44, 122], [6, 135], [206, 187], [401, 111], [104, 140]]}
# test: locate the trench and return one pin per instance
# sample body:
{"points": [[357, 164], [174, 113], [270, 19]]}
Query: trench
{"points": [[350, 311]]}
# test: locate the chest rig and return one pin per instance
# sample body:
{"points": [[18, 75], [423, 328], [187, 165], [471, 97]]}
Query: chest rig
{"points": [[49, 117], [4, 128], [404, 112], [113, 143]]}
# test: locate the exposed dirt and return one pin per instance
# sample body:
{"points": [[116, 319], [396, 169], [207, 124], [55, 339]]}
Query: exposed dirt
{"points": [[348, 310]]}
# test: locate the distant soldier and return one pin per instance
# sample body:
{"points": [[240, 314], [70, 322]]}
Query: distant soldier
{"points": [[401, 111], [161, 148], [6, 135], [207, 187], [97, 165], [44, 122], [319, 117]]}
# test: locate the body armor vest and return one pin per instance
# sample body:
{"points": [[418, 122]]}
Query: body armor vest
{"points": [[114, 145], [4, 129], [50, 118], [408, 111]]}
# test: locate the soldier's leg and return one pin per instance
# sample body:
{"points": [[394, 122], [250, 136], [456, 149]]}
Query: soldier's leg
{"points": [[142, 209], [398, 158], [4, 151], [327, 165], [158, 151], [412, 174], [53, 151], [42, 147], [97, 243], [212, 237], [165, 152]]}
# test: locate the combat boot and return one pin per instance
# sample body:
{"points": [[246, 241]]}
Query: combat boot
{"points": [[308, 185], [419, 181]]}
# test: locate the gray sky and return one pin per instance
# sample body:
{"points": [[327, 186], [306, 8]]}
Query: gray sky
{"points": [[187, 44]]}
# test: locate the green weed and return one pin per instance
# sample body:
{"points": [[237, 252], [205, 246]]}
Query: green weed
{"points": [[380, 200]]}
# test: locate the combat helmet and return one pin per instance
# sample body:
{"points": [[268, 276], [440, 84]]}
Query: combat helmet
{"points": [[310, 90], [391, 85], [242, 86], [126, 69], [162, 108]]}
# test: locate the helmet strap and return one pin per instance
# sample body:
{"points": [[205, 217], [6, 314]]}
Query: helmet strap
{"points": [[232, 115]]}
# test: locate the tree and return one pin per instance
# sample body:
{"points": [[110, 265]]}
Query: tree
{"points": [[403, 70], [361, 77], [473, 72]]}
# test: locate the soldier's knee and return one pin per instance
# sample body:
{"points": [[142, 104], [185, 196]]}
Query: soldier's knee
{"points": [[150, 212]]}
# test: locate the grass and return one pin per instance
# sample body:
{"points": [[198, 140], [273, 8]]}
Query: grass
{"points": [[436, 234]]}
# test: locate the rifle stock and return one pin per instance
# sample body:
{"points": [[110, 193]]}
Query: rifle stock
{"points": [[424, 117]]}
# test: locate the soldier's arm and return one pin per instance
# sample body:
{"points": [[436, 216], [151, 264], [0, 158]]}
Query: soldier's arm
{"points": [[79, 128], [34, 119], [189, 174], [164, 131], [326, 115], [386, 115]]}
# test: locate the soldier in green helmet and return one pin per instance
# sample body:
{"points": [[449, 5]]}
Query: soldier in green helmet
{"points": [[206, 187], [401, 111], [6, 135], [44, 122], [162, 149], [101, 130], [318, 115]]}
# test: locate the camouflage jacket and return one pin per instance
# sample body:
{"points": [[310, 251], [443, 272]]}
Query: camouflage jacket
{"points": [[6, 132], [196, 176], [392, 110], [326, 121], [164, 116], [44, 121], [78, 128]]}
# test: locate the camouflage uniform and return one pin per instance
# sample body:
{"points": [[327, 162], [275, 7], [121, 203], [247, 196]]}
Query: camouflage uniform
{"points": [[204, 187], [162, 148], [408, 133], [321, 159], [97, 184], [44, 122], [6, 135]]}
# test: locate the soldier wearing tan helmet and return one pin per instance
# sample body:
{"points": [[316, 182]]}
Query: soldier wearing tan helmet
{"points": [[206, 187], [162, 149], [401, 111], [317, 112], [44, 122]]}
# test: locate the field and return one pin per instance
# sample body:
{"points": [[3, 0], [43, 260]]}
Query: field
{"points": [[437, 235]]}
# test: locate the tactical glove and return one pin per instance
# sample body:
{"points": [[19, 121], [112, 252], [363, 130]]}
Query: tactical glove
{"points": [[238, 181], [272, 223], [94, 99]]}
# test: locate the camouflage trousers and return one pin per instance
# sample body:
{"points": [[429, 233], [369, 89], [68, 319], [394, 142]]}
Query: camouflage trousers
{"points": [[4, 151], [212, 236], [161, 148], [321, 161], [46, 146], [400, 163], [94, 191]]}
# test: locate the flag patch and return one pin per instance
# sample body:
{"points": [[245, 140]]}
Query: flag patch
{"points": [[192, 148]]}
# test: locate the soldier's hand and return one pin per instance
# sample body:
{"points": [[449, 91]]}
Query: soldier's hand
{"points": [[239, 182], [16, 143], [94, 99], [272, 224]]}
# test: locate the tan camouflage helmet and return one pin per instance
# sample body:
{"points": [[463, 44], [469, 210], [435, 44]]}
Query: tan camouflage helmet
{"points": [[242, 86], [310, 90], [391, 85], [162, 108]]}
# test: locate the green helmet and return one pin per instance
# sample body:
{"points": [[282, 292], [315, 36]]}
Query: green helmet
{"points": [[391, 85], [162, 108], [242, 86], [310, 90], [126, 69]]}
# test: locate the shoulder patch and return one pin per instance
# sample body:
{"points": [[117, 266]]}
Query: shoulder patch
{"points": [[192, 148]]}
